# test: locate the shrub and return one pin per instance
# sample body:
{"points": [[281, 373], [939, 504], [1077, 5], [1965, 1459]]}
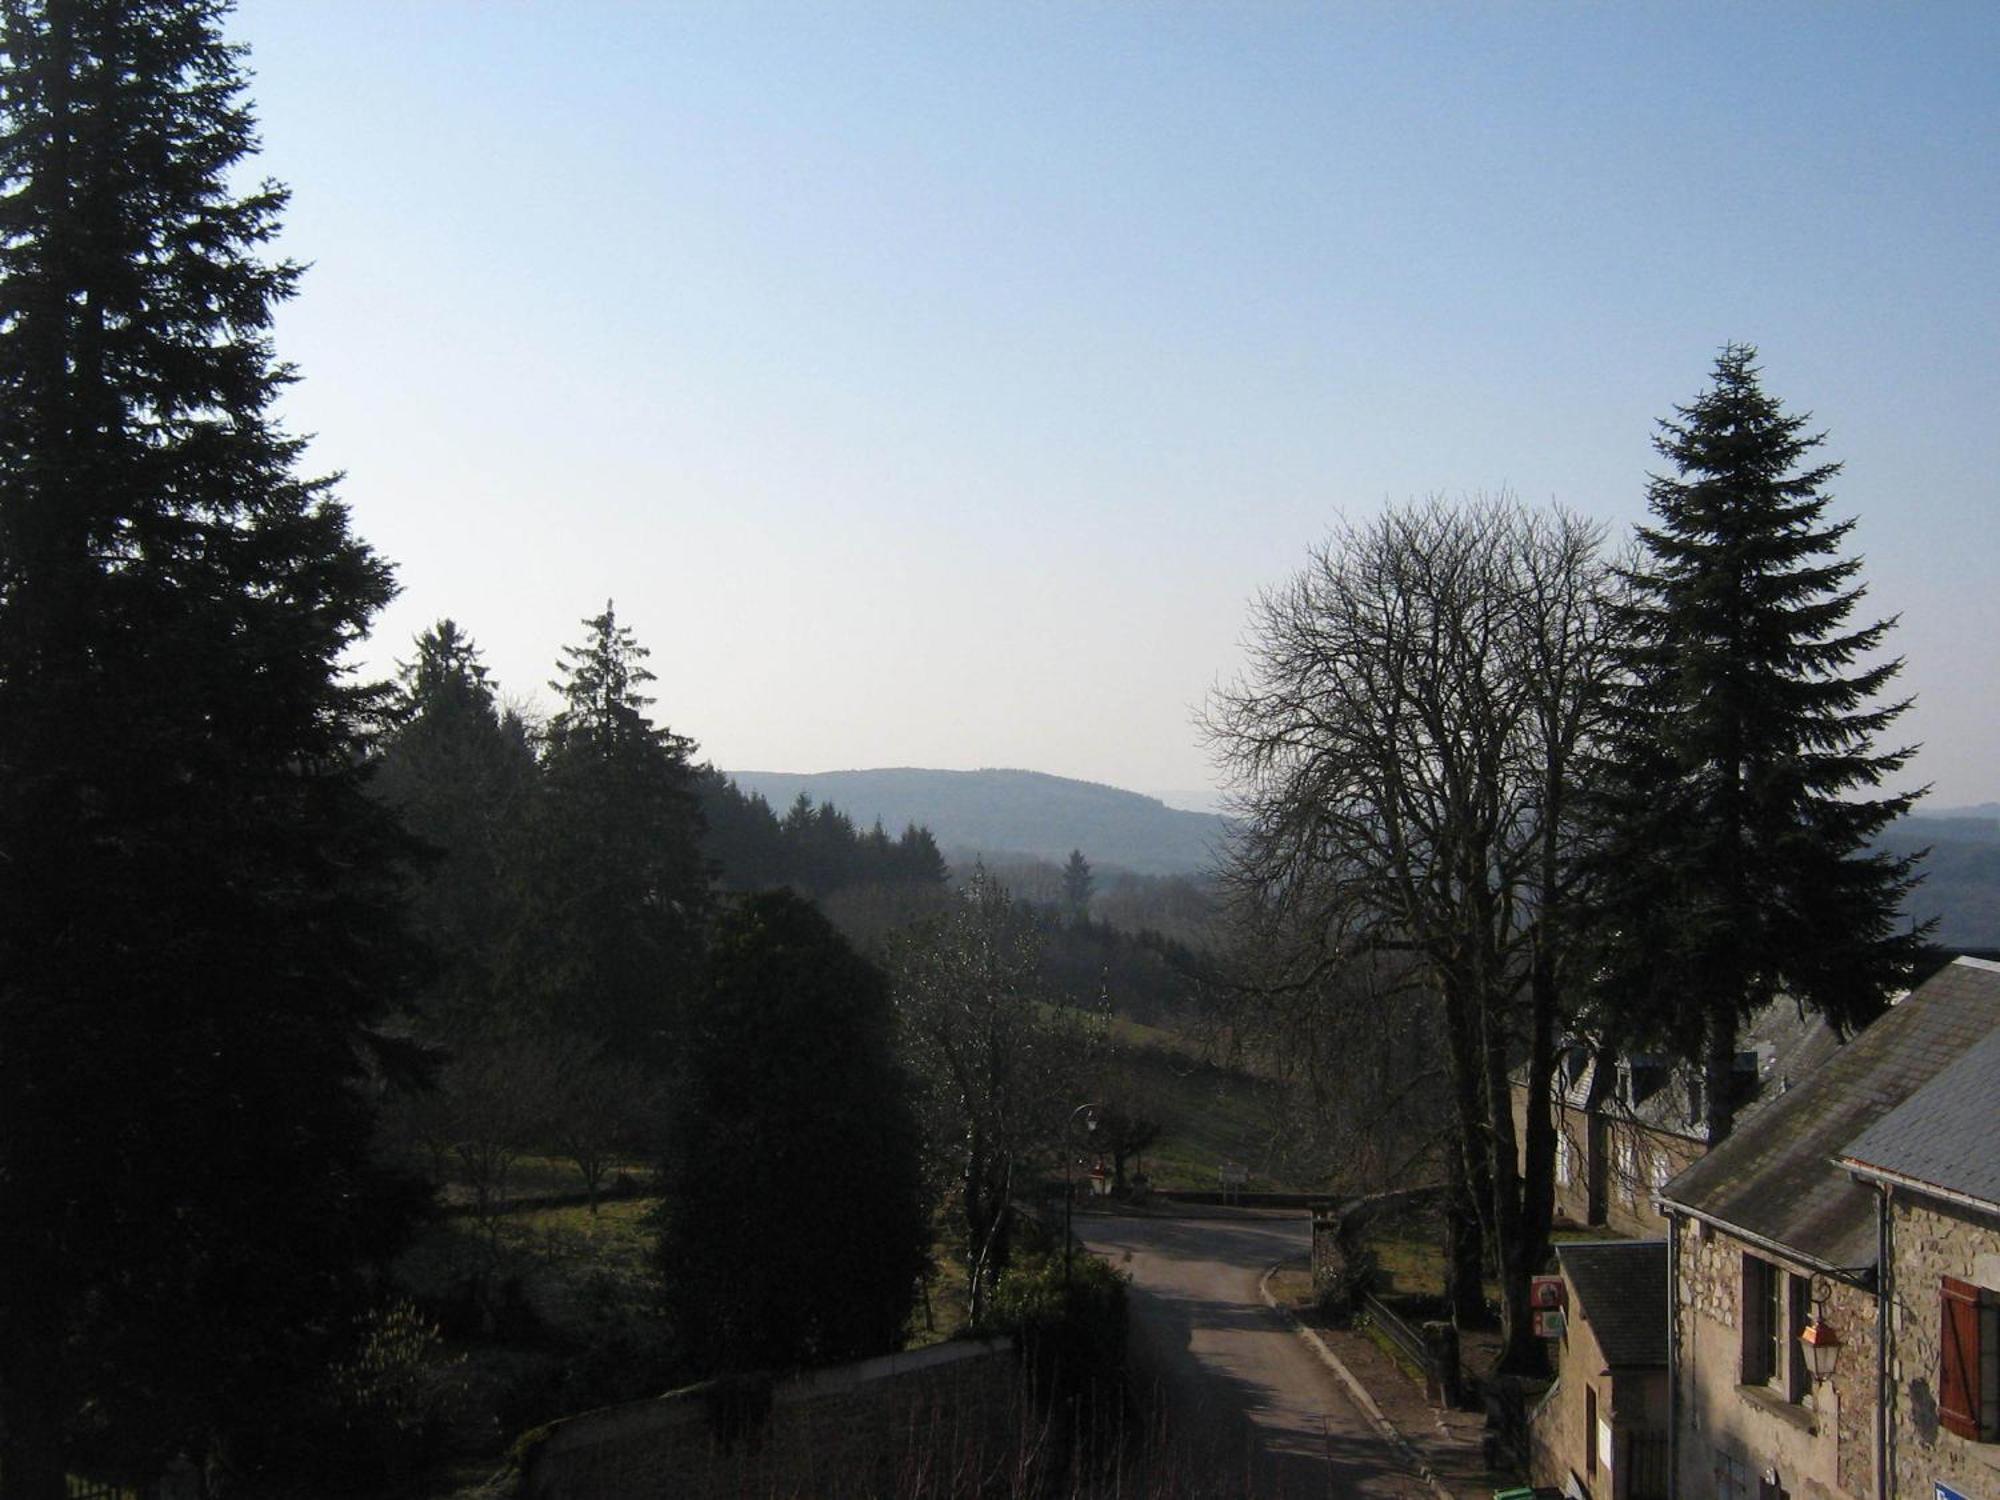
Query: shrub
{"points": [[1069, 1324]]}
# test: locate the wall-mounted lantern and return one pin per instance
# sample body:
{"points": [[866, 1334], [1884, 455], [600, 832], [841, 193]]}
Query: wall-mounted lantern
{"points": [[1821, 1343]]}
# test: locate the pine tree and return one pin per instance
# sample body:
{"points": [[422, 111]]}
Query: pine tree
{"points": [[460, 772], [1077, 885], [201, 915], [1737, 852], [620, 892]]}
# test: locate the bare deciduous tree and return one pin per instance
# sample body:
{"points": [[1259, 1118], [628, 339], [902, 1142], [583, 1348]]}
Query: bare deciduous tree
{"points": [[1407, 748], [999, 1067]]}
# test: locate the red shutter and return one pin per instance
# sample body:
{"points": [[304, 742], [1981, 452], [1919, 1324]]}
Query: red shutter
{"points": [[1958, 1360]]}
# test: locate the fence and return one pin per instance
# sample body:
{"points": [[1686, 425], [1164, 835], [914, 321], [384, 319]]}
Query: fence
{"points": [[1406, 1339]]}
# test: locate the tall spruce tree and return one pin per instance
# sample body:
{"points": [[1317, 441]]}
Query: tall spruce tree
{"points": [[198, 911], [620, 890], [459, 770], [1737, 851]]}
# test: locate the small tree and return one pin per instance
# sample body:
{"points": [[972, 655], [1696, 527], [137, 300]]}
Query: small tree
{"points": [[601, 1107], [1737, 854], [1077, 885], [792, 1222], [1124, 1134], [999, 1071]]}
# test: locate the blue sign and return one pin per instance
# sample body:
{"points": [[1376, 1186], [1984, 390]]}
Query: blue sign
{"points": [[1943, 1491]]}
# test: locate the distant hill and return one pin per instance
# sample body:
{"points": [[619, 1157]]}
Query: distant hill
{"points": [[1961, 874], [1010, 812]]}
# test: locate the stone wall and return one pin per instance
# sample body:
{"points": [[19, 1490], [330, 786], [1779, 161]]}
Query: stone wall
{"points": [[1820, 1448], [1638, 1161], [1929, 1241], [1611, 1158], [904, 1423], [1340, 1232]]}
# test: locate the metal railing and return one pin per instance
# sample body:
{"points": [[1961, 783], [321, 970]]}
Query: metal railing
{"points": [[1401, 1334]]}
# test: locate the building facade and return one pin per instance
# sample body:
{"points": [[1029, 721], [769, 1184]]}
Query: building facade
{"points": [[1775, 1232], [1934, 1166]]}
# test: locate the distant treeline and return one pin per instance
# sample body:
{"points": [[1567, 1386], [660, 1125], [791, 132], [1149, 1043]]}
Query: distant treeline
{"points": [[813, 848]]}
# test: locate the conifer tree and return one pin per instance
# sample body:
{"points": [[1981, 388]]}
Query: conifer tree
{"points": [[792, 1218], [1077, 885], [459, 770], [620, 891], [1737, 849], [198, 905]]}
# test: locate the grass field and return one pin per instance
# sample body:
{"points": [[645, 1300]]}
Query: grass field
{"points": [[1209, 1114]]}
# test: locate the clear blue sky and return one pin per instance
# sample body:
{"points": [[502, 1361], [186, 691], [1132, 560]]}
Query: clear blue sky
{"points": [[935, 384]]}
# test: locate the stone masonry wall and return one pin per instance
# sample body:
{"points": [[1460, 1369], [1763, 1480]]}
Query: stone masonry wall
{"points": [[879, 1427], [1929, 1241], [1821, 1448]]}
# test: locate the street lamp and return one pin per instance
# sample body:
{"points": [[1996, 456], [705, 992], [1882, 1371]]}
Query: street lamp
{"points": [[1821, 1343], [1088, 1112]]}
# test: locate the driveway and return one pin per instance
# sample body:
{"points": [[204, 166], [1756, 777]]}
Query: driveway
{"points": [[1248, 1404]]}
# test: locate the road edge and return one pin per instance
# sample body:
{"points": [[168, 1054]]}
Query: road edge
{"points": [[1389, 1432]]}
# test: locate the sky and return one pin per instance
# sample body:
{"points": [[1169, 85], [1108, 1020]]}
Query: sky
{"points": [[937, 385]]}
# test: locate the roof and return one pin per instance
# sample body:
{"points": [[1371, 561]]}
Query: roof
{"points": [[1927, 1141], [1788, 1044], [1621, 1289], [1781, 1182]]}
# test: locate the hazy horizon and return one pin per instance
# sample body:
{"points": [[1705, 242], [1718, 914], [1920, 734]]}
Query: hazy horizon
{"points": [[937, 387]]}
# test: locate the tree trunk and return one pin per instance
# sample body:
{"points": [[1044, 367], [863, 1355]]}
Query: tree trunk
{"points": [[1515, 1259], [1464, 1251], [1718, 1074]]}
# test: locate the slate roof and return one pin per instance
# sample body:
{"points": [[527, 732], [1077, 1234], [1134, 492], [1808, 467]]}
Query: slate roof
{"points": [[1941, 1137], [1621, 1291], [1781, 1180], [1789, 1044]]}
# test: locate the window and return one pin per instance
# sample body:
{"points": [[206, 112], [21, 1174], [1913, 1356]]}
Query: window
{"points": [[1590, 1432], [1798, 1377], [1628, 1170], [1969, 1362], [1776, 1308], [1565, 1159], [1762, 1322]]}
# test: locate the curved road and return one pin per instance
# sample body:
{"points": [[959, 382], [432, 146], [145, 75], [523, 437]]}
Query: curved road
{"points": [[1248, 1407]]}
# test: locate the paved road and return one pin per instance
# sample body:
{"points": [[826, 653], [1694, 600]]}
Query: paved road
{"points": [[1249, 1404]]}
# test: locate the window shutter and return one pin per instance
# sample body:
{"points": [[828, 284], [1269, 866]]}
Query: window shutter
{"points": [[1958, 1359]]}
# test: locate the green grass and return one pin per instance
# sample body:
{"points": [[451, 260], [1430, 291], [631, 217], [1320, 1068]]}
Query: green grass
{"points": [[1408, 1266], [1210, 1114]]}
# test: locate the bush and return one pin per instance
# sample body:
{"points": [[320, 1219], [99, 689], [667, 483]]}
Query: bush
{"points": [[1069, 1324]]}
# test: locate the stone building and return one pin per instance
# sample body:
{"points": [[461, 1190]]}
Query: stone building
{"points": [[1935, 1169], [1601, 1431], [1627, 1124], [1770, 1234]]}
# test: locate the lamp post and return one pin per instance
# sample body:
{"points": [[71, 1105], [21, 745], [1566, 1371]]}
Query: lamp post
{"points": [[1088, 1112]]}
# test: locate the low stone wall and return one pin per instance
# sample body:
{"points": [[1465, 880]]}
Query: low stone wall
{"points": [[1338, 1232], [903, 1423]]}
